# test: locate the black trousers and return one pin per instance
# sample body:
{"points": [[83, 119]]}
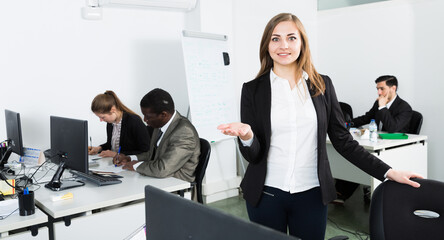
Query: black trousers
{"points": [[302, 213]]}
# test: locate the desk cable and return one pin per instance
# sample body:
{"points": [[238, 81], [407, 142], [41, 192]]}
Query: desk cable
{"points": [[4, 217], [359, 235]]}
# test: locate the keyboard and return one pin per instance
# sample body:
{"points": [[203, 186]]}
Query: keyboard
{"points": [[95, 178]]}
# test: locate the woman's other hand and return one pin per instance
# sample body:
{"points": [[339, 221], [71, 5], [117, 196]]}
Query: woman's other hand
{"points": [[107, 153], [94, 150], [238, 129]]}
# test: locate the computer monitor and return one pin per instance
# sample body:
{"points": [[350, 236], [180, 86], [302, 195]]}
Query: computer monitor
{"points": [[14, 140], [168, 217], [69, 149]]}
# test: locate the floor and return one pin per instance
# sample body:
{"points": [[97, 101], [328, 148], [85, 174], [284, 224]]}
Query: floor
{"points": [[350, 219]]}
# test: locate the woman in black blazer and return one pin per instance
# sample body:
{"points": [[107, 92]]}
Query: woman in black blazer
{"points": [[125, 130], [286, 114]]}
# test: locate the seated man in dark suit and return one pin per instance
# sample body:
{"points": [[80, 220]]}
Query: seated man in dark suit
{"points": [[389, 110], [174, 147], [391, 113]]}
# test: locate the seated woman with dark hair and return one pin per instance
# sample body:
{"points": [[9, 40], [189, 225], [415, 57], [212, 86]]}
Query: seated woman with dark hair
{"points": [[125, 129]]}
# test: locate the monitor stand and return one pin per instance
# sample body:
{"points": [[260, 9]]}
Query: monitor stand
{"points": [[57, 185]]}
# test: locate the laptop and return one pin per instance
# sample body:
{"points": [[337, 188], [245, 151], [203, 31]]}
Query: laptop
{"points": [[169, 216]]}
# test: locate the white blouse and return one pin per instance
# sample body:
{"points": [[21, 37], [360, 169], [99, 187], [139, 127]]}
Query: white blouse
{"points": [[293, 156]]}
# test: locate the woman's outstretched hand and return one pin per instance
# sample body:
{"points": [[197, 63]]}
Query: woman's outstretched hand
{"points": [[403, 177], [238, 129]]}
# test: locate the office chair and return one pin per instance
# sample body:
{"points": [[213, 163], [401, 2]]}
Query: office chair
{"points": [[394, 215], [205, 150], [415, 122], [393, 206], [346, 111]]}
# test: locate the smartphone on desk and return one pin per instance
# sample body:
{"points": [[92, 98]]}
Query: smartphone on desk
{"points": [[94, 157]]}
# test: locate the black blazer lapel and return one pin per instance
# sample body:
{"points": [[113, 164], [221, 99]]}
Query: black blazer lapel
{"points": [[320, 106], [394, 108]]}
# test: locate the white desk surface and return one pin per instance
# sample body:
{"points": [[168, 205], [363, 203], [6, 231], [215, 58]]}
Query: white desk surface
{"points": [[91, 196], [402, 154], [387, 143], [15, 221]]}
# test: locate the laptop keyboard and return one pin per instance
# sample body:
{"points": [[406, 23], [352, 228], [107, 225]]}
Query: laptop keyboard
{"points": [[94, 178]]}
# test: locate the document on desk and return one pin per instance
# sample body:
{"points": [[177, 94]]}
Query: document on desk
{"points": [[8, 207], [107, 169]]}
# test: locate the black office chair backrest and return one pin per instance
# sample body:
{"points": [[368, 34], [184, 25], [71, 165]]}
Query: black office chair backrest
{"points": [[415, 122], [205, 150], [346, 111], [393, 206]]}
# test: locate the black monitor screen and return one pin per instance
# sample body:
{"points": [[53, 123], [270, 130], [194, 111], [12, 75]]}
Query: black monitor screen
{"points": [[14, 132], [168, 222], [69, 139]]}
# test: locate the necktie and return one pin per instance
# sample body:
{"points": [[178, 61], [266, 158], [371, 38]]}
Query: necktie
{"points": [[156, 144]]}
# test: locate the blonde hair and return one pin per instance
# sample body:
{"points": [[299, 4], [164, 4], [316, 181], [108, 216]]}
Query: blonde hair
{"points": [[304, 61], [103, 103]]}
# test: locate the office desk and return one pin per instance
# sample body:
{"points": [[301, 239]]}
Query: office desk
{"points": [[120, 206], [16, 222], [401, 154]]}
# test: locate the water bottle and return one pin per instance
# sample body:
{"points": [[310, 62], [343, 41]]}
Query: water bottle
{"points": [[373, 128]]}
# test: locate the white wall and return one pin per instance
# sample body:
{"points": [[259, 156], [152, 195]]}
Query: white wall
{"points": [[53, 62], [400, 37]]}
